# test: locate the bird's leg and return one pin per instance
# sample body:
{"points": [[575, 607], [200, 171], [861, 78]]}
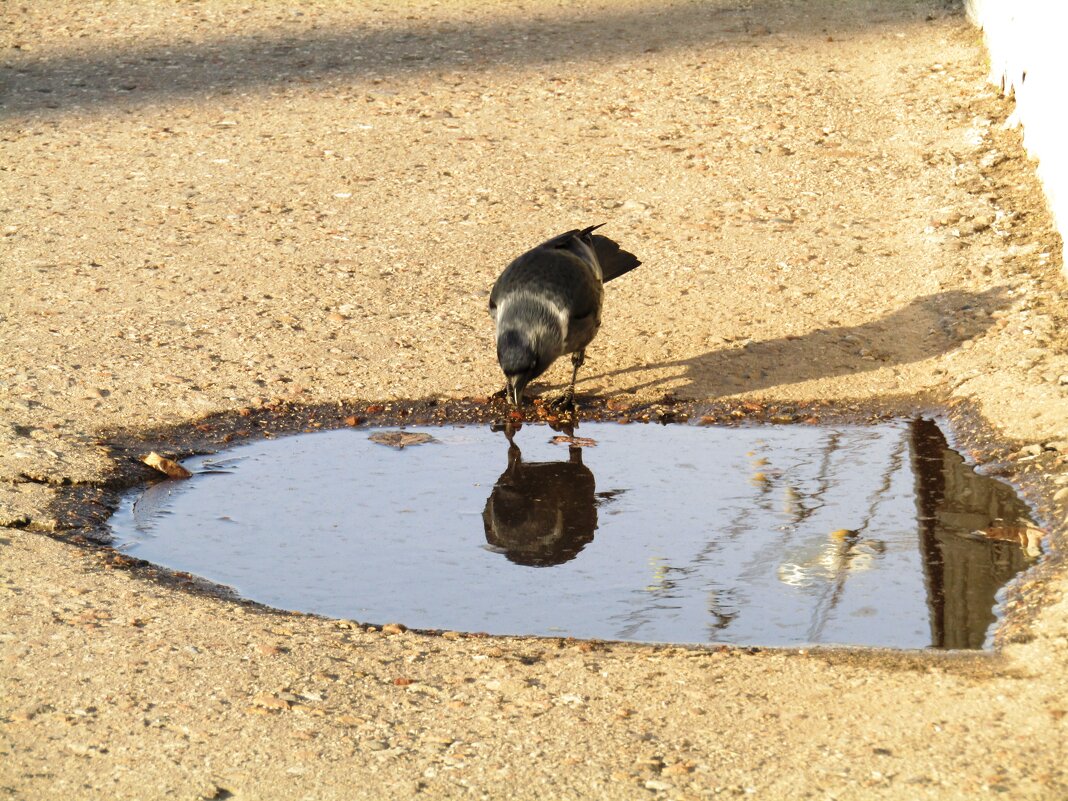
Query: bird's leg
{"points": [[578, 358], [566, 399], [505, 392]]}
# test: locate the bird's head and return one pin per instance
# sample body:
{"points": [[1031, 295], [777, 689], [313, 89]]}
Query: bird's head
{"points": [[521, 362]]}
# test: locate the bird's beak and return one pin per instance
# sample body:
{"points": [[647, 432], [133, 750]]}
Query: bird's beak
{"points": [[516, 385]]}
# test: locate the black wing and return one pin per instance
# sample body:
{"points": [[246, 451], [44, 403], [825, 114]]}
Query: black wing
{"points": [[613, 259]]}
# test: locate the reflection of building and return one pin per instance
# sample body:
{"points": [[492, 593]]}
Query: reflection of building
{"points": [[542, 513], [964, 569]]}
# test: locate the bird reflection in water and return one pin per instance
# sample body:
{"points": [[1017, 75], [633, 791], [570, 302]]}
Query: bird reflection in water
{"points": [[542, 514]]}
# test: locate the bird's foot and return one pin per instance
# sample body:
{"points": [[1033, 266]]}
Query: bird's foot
{"points": [[501, 393], [560, 401]]}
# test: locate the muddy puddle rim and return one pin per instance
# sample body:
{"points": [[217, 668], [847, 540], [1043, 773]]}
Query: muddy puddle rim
{"points": [[83, 511]]}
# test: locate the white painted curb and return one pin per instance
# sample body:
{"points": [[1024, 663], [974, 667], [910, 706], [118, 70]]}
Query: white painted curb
{"points": [[1028, 45]]}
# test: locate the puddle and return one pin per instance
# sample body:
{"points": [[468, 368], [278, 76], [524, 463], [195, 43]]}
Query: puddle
{"points": [[764, 535]]}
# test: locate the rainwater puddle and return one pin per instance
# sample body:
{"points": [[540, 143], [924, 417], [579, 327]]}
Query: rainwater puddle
{"points": [[770, 535]]}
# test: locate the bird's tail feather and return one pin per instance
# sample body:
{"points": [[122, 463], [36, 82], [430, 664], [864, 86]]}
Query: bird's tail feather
{"points": [[613, 259]]}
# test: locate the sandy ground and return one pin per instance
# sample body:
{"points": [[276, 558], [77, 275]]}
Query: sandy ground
{"points": [[216, 206]]}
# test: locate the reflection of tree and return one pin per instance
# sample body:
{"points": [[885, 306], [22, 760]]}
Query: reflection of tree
{"points": [[841, 475], [850, 547], [823, 482], [724, 605], [963, 570]]}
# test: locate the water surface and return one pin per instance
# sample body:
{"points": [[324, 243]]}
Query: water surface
{"points": [[764, 535]]}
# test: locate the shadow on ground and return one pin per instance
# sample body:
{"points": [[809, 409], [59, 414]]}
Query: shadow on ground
{"points": [[928, 326], [169, 71]]}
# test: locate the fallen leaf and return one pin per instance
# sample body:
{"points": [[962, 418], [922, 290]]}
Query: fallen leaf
{"points": [[166, 466], [400, 439], [1030, 538], [579, 442]]}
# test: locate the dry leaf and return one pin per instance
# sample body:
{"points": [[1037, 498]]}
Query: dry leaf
{"points": [[165, 465], [400, 439], [580, 442], [1030, 538]]}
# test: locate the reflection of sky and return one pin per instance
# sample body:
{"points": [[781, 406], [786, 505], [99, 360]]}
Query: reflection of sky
{"points": [[821, 548]]}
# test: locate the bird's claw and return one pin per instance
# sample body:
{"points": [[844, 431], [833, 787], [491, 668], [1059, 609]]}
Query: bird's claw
{"points": [[560, 402]]}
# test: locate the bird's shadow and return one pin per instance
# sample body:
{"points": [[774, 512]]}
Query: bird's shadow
{"points": [[927, 327]]}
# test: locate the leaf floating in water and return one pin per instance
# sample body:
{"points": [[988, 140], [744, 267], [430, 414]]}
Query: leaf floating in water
{"points": [[165, 465], [578, 442], [400, 439], [1028, 537]]}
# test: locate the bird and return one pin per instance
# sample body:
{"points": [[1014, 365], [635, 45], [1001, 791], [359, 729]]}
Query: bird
{"points": [[547, 302]]}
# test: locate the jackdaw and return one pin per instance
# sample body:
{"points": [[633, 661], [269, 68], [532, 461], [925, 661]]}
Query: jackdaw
{"points": [[548, 302]]}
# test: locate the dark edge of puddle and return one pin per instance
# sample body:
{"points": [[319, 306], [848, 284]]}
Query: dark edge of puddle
{"points": [[82, 510]]}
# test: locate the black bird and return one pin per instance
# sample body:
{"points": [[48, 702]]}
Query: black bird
{"points": [[548, 302]]}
